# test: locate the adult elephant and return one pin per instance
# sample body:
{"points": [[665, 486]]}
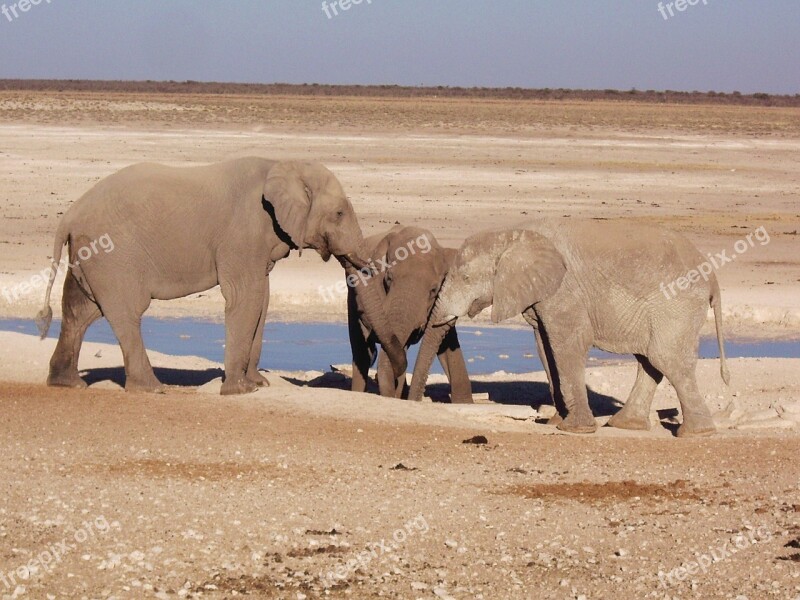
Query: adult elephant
{"points": [[179, 231], [588, 283], [410, 265]]}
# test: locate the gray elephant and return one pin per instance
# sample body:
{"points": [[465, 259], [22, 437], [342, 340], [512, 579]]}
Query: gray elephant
{"points": [[180, 231], [410, 266], [583, 283]]}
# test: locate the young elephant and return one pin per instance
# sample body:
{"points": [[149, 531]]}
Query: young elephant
{"points": [[588, 283], [180, 231], [410, 266]]}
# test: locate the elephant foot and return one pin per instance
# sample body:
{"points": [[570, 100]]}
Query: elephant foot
{"points": [[461, 399], [234, 387], [628, 421], [71, 380], [257, 378], [578, 423], [697, 426], [145, 387], [555, 420]]}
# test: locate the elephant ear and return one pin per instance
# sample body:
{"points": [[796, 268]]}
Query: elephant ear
{"points": [[529, 271], [290, 197], [449, 258], [380, 253]]}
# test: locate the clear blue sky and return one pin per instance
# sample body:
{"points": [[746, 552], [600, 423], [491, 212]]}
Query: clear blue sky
{"points": [[723, 45]]}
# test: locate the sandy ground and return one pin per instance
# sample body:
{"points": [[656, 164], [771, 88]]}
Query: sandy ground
{"points": [[304, 490]]}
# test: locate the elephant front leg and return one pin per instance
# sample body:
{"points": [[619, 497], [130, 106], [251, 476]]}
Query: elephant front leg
{"points": [[452, 360], [253, 373], [549, 368], [569, 371], [387, 384], [361, 347], [244, 301]]}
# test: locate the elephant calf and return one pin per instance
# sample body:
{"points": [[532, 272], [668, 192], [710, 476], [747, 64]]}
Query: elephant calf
{"points": [[409, 268], [583, 283], [180, 231]]}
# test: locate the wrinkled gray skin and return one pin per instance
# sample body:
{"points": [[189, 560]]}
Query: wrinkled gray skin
{"points": [[588, 283], [409, 288], [180, 231]]}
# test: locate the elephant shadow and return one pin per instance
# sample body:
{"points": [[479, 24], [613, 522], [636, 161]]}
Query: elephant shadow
{"points": [[526, 393], [176, 377], [512, 393]]}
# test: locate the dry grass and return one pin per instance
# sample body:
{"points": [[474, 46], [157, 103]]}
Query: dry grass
{"points": [[490, 116]]}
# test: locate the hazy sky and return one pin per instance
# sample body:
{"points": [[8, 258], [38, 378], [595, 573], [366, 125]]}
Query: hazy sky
{"points": [[723, 45]]}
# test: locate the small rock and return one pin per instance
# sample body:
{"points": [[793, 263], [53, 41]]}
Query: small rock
{"points": [[477, 439], [402, 467], [546, 411]]}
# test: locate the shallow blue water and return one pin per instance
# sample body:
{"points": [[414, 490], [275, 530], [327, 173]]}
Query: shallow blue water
{"points": [[315, 346]]}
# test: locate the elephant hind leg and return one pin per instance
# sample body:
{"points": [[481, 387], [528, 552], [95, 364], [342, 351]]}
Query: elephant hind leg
{"points": [[78, 312], [123, 302], [636, 412], [680, 371], [126, 321]]}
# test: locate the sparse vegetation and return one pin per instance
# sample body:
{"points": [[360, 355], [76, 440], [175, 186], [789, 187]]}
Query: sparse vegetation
{"points": [[395, 91]]}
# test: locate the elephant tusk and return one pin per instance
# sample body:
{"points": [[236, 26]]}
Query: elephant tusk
{"points": [[357, 262]]}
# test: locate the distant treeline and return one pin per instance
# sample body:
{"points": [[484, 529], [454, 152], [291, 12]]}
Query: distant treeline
{"points": [[396, 91]]}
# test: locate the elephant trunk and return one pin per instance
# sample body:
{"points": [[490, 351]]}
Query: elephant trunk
{"points": [[430, 346], [356, 261], [408, 317], [372, 302]]}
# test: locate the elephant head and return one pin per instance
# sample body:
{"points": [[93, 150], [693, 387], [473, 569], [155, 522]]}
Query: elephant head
{"points": [[415, 268], [311, 209], [509, 270]]}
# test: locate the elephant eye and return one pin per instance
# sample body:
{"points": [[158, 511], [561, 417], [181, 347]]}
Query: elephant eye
{"points": [[339, 214]]}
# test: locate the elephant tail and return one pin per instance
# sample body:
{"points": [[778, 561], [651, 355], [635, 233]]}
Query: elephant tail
{"points": [[716, 304], [45, 316]]}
